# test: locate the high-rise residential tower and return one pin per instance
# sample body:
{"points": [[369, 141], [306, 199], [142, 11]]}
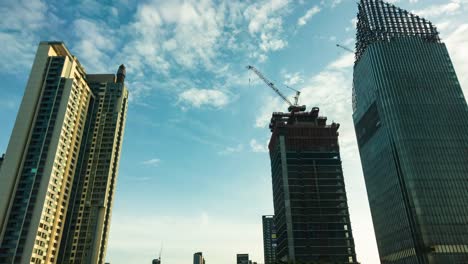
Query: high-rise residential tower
{"points": [[311, 208], [43, 157], [411, 121], [242, 258], [269, 239], [89, 211]]}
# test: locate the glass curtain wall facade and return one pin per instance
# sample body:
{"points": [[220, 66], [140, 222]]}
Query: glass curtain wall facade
{"points": [[311, 209], [411, 121]]}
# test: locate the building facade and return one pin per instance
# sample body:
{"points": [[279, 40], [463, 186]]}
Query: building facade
{"points": [[43, 156], [269, 239], [242, 258], [311, 210], [411, 122], [1, 160], [90, 208], [198, 258]]}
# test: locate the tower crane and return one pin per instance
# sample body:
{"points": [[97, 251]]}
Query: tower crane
{"points": [[293, 107], [345, 48]]}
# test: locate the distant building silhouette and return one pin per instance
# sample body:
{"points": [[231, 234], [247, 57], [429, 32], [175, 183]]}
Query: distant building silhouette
{"points": [[269, 239], [242, 259], [198, 258]]}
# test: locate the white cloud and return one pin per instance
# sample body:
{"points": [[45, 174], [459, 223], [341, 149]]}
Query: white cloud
{"points": [[271, 104], [353, 25], [257, 147], [8, 103], [95, 41], [343, 62], [456, 43], [230, 150], [270, 38], [335, 3], [152, 162], [198, 27], [23, 15], [144, 51], [187, 33], [171, 40], [442, 9], [19, 27], [292, 79], [260, 14], [266, 22], [444, 26], [308, 15], [200, 97]]}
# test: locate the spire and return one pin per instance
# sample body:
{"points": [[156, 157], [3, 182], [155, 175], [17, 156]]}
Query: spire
{"points": [[121, 74], [380, 21]]}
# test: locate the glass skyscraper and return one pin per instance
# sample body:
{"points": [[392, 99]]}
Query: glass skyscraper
{"points": [[411, 121], [311, 208]]}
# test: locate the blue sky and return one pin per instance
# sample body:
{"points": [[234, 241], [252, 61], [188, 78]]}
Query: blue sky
{"points": [[194, 173]]}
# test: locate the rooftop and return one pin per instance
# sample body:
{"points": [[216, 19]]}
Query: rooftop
{"points": [[379, 21]]}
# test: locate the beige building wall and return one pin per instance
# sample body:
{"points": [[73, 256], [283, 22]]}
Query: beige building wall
{"points": [[90, 213], [120, 114], [59, 174], [43, 221], [20, 134]]}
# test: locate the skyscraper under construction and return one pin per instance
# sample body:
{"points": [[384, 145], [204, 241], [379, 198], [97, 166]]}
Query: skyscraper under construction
{"points": [[311, 209], [411, 121], [62, 158]]}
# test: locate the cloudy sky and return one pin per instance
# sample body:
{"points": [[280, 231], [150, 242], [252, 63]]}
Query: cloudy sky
{"points": [[195, 174]]}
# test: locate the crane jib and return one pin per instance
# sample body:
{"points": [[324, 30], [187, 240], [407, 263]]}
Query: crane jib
{"points": [[292, 107]]}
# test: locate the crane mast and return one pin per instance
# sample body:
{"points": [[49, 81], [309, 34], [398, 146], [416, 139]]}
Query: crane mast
{"points": [[292, 107]]}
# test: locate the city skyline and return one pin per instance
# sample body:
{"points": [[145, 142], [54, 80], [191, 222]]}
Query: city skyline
{"points": [[221, 124]]}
